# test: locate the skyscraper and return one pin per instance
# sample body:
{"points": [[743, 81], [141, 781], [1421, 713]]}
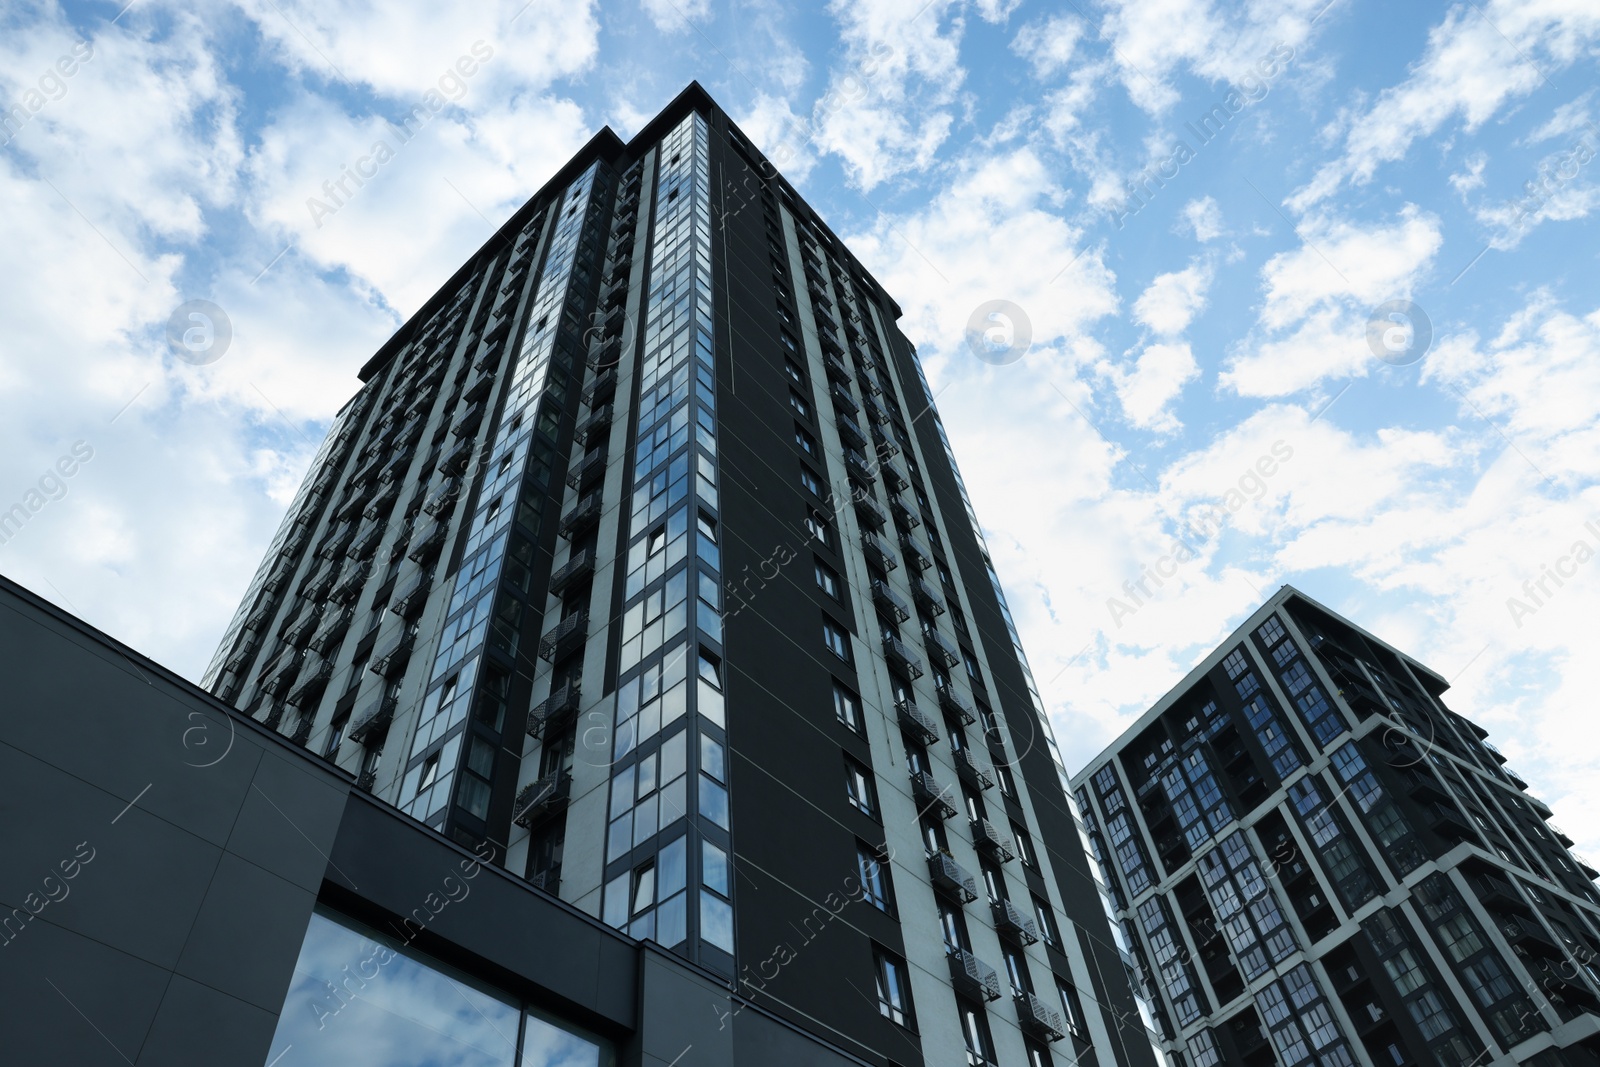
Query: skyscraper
{"points": [[1316, 861], [640, 564]]}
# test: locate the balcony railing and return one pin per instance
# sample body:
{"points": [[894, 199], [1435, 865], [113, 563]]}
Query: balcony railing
{"points": [[972, 977], [575, 570], [369, 725], [603, 388], [940, 650], [878, 554], [567, 636], [427, 544], [951, 879], [989, 841], [444, 498], [930, 796], [1038, 1018], [842, 400], [333, 631], [311, 683], [927, 596], [889, 602], [973, 769], [916, 552], [597, 423], [559, 708], [894, 478], [916, 723], [905, 516], [1012, 922], [857, 468], [850, 432], [584, 516], [282, 671], [408, 602], [467, 424], [956, 705], [544, 797], [901, 659], [392, 661], [589, 470], [871, 516], [350, 582]]}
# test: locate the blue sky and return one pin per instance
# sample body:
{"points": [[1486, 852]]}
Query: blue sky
{"points": [[1439, 158]]}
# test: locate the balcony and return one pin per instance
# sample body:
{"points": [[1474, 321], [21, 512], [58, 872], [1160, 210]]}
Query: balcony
{"points": [[850, 432], [391, 662], [878, 554], [973, 978], [455, 460], [837, 372], [298, 633], [940, 650], [548, 879], [350, 582], [444, 498], [989, 841], [930, 796], [554, 712], [396, 468], [542, 798], [382, 504], [302, 730], [886, 450], [1012, 923], [973, 770], [1038, 1018], [894, 478], [596, 424], [567, 637], [858, 469], [590, 469], [479, 389], [1588, 868], [1528, 936], [242, 655], [366, 780], [1516, 779], [901, 659], [317, 584], [584, 516], [1560, 834], [369, 725], [576, 569], [334, 545], [927, 596], [366, 542], [467, 424], [916, 723], [602, 389], [427, 544], [916, 553], [875, 411], [889, 602], [842, 400], [332, 631], [311, 684], [1499, 757], [905, 516], [871, 516], [950, 879], [1496, 891], [956, 706], [408, 602]]}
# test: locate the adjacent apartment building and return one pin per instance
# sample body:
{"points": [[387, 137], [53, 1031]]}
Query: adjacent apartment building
{"points": [[641, 566], [1316, 861]]}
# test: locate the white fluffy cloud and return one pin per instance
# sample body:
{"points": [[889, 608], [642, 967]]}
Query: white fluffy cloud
{"points": [[1173, 299], [1204, 218], [1479, 59], [1157, 377]]}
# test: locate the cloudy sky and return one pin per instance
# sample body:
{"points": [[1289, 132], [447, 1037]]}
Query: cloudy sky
{"points": [[1195, 213]]}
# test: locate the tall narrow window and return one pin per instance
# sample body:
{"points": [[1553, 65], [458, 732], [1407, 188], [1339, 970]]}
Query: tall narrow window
{"points": [[847, 706], [836, 639], [858, 787], [894, 988]]}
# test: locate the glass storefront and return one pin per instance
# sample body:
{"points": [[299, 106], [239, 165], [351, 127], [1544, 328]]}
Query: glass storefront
{"points": [[358, 996]]}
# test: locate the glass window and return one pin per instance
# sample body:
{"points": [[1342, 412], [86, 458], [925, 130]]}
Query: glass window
{"points": [[847, 706], [894, 988], [359, 996], [827, 581], [810, 481], [803, 438], [858, 787], [874, 873], [836, 639]]}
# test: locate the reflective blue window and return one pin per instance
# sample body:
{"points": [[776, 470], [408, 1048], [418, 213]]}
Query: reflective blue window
{"points": [[361, 997]]}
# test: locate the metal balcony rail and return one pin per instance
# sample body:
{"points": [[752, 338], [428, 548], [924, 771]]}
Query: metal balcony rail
{"points": [[371, 723]]}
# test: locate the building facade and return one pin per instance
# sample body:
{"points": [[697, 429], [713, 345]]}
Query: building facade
{"points": [[1316, 861], [641, 566]]}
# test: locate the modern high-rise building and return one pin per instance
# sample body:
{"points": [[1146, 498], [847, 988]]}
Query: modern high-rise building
{"points": [[1316, 861], [640, 565]]}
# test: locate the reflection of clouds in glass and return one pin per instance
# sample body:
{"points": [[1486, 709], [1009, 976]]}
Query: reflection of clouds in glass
{"points": [[400, 1013], [544, 1045]]}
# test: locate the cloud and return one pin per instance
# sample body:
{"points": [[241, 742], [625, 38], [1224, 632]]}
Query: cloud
{"points": [[1173, 299], [1049, 44], [677, 16], [1479, 59], [1158, 376], [1204, 218], [893, 90]]}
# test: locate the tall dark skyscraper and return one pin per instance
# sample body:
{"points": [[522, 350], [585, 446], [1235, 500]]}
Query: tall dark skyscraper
{"points": [[641, 565], [1316, 861]]}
